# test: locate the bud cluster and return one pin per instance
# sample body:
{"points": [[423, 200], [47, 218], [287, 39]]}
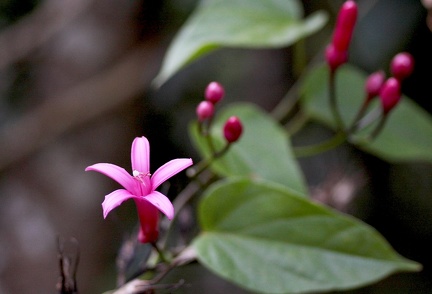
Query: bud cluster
{"points": [[389, 91], [205, 110]]}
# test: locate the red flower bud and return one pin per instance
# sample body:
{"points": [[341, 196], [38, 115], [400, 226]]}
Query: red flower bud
{"points": [[232, 129], [374, 84], [390, 94], [344, 27], [402, 65], [204, 110], [334, 57], [214, 92]]}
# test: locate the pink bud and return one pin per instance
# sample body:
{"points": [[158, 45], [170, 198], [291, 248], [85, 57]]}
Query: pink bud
{"points": [[402, 65], [344, 27], [390, 94], [214, 92], [232, 129], [334, 57], [204, 110], [374, 84]]}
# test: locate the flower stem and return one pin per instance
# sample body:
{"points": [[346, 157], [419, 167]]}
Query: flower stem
{"points": [[204, 130], [378, 128], [205, 163], [329, 144], [355, 123], [333, 101]]}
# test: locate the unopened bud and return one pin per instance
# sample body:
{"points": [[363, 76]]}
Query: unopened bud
{"points": [[374, 84], [390, 94], [232, 129], [214, 92], [334, 57], [402, 65], [344, 27], [204, 110]]}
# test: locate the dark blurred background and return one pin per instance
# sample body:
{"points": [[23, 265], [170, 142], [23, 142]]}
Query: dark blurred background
{"points": [[75, 89]]}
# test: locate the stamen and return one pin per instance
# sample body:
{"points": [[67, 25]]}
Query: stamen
{"points": [[136, 173]]}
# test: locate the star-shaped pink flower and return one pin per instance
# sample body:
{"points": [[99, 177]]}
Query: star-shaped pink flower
{"points": [[141, 186]]}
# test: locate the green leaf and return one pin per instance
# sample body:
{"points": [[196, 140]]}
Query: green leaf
{"points": [[263, 150], [407, 134], [266, 239], [238, 23]]}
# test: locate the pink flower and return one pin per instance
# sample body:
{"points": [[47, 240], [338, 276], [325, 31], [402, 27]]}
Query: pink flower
{"points": [[141, 186]]}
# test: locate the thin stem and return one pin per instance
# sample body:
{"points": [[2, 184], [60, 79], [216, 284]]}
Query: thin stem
{"points": [[333, 101], [355, 123], [205, 163], [378, 128], [321, 147]]}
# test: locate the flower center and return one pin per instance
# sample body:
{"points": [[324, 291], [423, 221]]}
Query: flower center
{"points": [[144, 179]]}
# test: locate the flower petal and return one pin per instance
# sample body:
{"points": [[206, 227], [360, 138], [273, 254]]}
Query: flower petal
{"points": [[169, 169], [118, 174], [114, 199], [161, 202], [140, 155]]}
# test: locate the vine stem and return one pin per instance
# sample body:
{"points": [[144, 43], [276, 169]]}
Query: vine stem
{"points": [[205, 163], [329, 144]]}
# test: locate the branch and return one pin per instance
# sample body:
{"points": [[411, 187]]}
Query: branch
{"points": [[69, 109]]}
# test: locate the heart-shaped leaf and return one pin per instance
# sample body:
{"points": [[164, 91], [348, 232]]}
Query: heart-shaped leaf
{"points": [[238, 23], [264, 238], [263, 150], [407, 134]]}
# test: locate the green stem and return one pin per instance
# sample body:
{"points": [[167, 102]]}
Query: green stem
{"points": [[333, 101], [296, 123], [329, 144], [160, 252]]}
